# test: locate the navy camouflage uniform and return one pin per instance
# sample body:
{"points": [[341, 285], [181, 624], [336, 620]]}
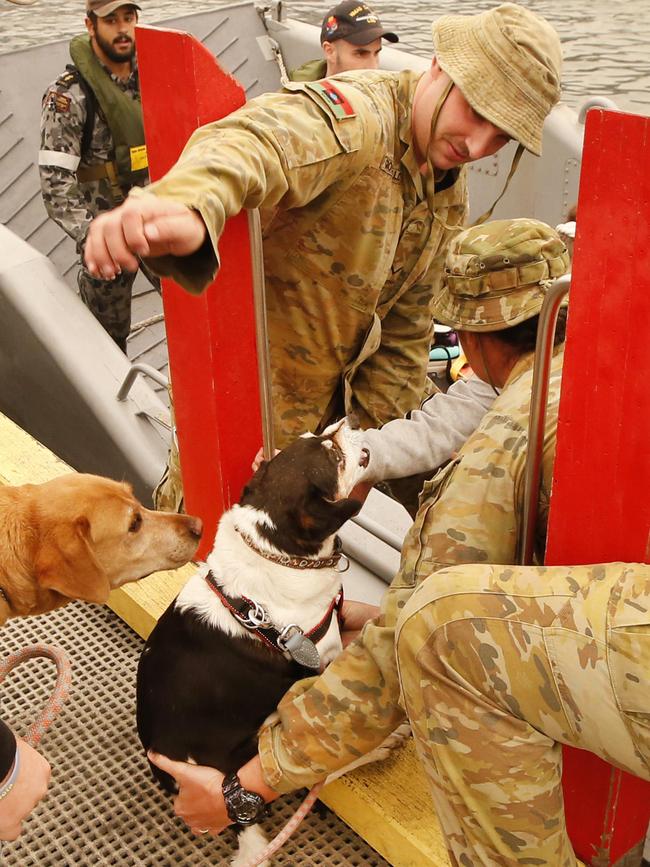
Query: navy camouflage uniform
{"points": [[73, 205]]}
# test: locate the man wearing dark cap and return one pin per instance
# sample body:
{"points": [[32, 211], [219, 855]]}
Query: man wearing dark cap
{"points": [[351, 35], [92, 145]]}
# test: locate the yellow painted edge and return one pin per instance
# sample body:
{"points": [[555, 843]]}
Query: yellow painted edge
{"points": [[389, 805], [141, 604]]}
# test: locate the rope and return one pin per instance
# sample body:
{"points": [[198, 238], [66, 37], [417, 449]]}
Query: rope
{"points": [[61, 689], [280, 839]]}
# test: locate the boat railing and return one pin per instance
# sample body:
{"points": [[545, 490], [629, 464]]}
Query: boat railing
{"points": [[536, 423], [132, 375]]}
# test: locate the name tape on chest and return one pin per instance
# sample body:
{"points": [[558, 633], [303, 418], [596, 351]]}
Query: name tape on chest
{"points": [[336, 102], [388, 165]]}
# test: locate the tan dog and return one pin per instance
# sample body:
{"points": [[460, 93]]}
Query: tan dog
{"points": [[79, 537]]}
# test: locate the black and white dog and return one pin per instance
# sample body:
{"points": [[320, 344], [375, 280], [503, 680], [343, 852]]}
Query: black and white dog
{"points": [[260, 614]]}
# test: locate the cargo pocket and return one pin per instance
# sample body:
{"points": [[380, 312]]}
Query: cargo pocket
{"points": [[414, 548], [629, 667]]}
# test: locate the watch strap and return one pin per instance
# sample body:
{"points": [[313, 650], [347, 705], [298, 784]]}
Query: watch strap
{"points": [[243, 807]]}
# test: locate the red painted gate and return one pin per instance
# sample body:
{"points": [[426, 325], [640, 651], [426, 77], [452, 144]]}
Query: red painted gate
{"points": [[211, 338], [600, 505]]}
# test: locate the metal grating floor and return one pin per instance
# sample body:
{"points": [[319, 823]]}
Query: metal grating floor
{"points": [[102, 807]]}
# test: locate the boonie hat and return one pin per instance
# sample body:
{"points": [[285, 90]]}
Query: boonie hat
{"points": [[496, 275], [507, 62], [102, 8], [355, 22]]}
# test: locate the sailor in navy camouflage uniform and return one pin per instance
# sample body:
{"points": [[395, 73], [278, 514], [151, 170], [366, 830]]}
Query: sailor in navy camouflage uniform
{"points": [[80, 174]]}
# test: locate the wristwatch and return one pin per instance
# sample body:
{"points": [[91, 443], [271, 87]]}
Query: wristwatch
{"points": [[243, 807]]}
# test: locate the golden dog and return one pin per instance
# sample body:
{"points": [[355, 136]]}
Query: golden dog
{"points": [[80, 536]]}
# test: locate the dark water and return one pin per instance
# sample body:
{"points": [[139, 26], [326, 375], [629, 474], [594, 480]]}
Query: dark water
{"points": [[606, 42]]}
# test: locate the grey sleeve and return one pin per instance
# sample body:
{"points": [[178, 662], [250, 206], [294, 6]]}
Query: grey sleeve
{"points": [[429, 438]]}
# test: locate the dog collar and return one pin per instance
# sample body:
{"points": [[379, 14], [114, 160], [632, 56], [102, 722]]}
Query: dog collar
{"points": [[301, 562], [301, 646]]}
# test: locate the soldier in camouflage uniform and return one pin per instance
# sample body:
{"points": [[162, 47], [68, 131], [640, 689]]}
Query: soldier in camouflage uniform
{"points": [[351, 36], [361, 186], [499, 665], [82, 134], [496, 276]]}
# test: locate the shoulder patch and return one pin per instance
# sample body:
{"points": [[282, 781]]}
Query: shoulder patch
{"points": [[336, 102], [56, 101], [67, 78]]}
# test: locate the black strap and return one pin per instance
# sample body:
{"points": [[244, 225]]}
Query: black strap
{"points": [[91, 108]]}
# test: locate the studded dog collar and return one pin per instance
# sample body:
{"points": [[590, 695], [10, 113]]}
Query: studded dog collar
{"points": [[291, 639], [301, 562]]}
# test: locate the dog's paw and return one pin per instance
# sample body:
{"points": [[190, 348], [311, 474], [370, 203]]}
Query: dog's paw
{"points": [[238, 861], [252, 842]]}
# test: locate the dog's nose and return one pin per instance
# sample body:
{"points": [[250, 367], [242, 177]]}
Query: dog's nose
{"points": [[195, 527]]}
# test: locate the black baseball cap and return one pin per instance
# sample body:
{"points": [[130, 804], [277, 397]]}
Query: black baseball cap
{"points": [[355, 22]]}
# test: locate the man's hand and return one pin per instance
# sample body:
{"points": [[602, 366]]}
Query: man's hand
{"points": [[199, 802], [30, 787], [355, 616], [144, 227], [259, 458]]}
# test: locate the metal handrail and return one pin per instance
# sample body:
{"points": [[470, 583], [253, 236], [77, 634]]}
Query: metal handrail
{"points": [[261, 332], [379, 531], [538, 401], [145, 370]]}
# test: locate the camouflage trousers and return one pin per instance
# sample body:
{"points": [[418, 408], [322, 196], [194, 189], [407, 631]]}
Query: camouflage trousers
{"points": [[110, 301], [499, 666]]}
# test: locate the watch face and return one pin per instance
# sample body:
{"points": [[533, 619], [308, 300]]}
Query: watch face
{"points": [[243, 806], [248, 806]]}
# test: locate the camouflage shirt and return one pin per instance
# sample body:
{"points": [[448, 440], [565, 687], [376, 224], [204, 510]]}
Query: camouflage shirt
{"points": [[352, 251], [470, 512], [69, 203]]}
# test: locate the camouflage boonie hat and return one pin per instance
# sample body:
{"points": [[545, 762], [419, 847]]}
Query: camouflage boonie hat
{"points": [[507, 62], [497, 274]]}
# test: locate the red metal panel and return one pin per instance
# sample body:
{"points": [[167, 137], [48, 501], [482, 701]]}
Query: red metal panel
{"points": [[600, 511], [211, 338]]}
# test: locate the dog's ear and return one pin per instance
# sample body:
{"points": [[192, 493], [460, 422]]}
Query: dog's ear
{"points": [[65, 563], [328, 515], [254, 482], [346, 509]]}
